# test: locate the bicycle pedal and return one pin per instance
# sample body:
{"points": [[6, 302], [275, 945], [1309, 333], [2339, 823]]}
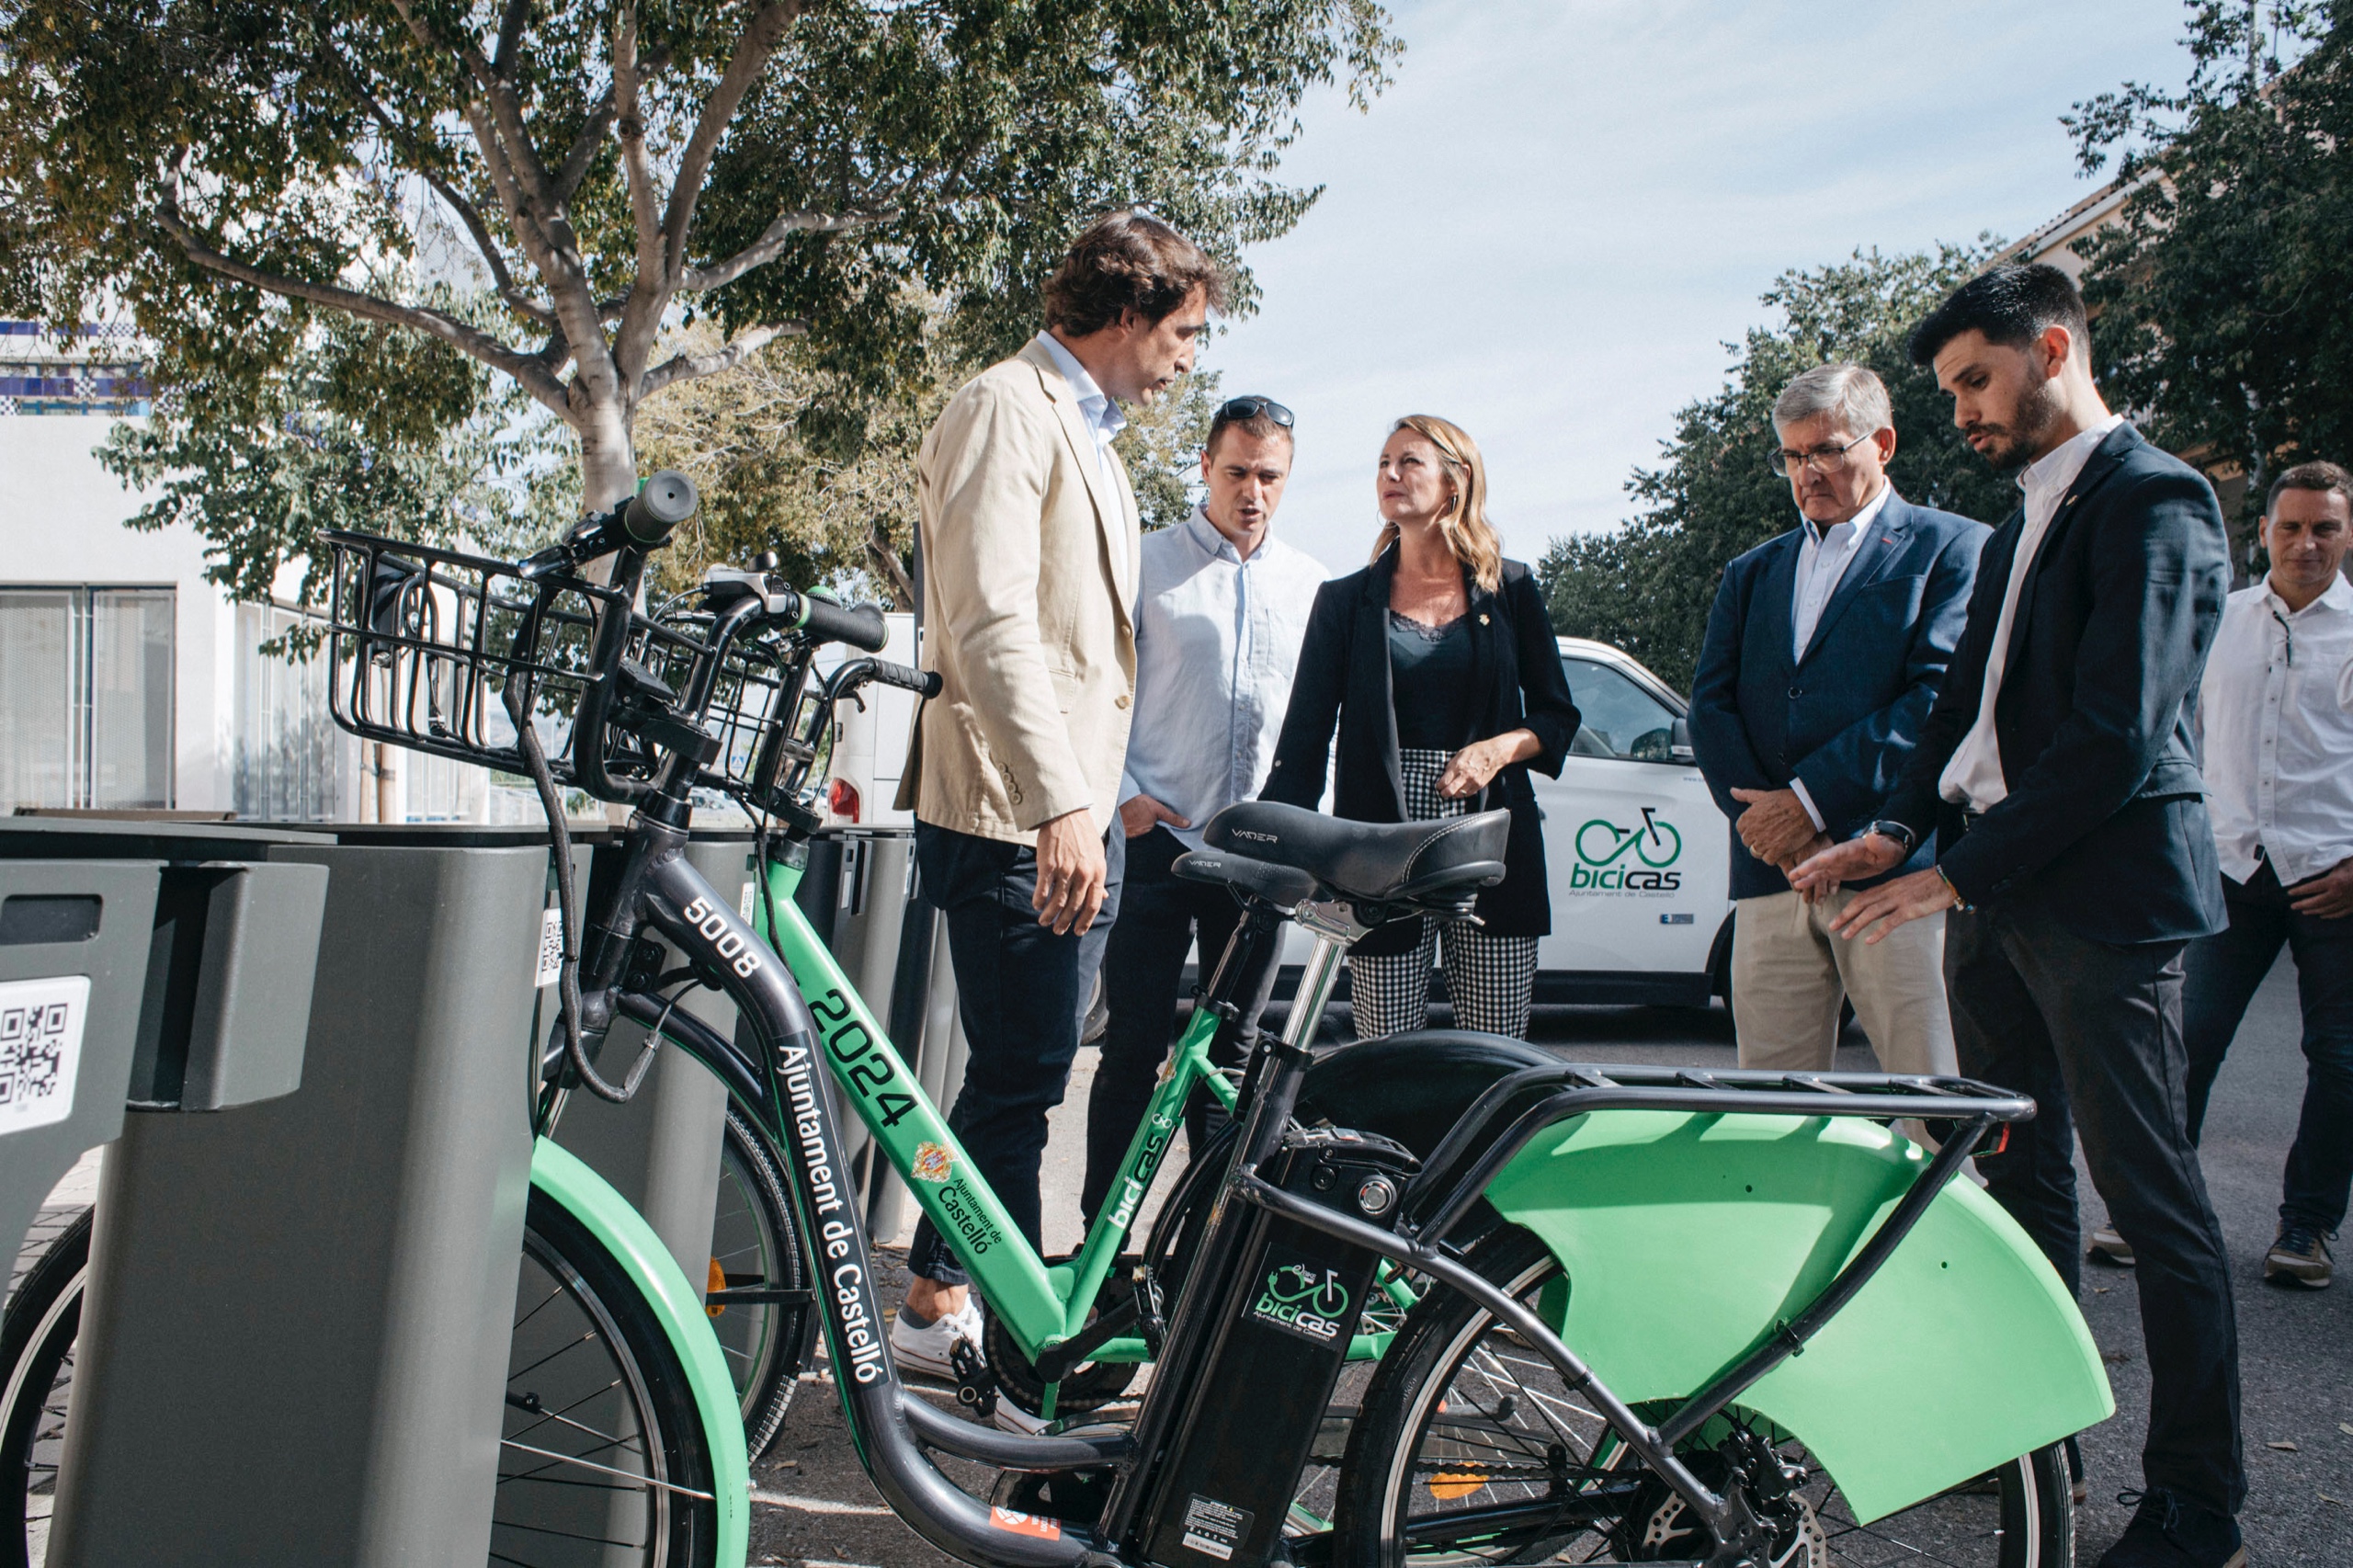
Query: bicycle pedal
{"points": [[975, 1386]]}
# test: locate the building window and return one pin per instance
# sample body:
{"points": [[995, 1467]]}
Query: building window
{"points": [[85, 697], [290, 755]]}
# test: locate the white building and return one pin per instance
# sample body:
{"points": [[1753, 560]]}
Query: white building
{"points": [[130, 682]]}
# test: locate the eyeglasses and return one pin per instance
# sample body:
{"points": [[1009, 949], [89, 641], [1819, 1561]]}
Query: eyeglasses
{"points": [[1822, 459], [1235, 410]]}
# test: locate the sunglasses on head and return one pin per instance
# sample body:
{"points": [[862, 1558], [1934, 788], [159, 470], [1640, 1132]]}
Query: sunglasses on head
{"points": [[1235, 410]]}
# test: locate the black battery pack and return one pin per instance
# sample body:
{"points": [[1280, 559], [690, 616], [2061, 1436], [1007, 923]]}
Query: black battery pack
{"points": [[1252, 1415]]}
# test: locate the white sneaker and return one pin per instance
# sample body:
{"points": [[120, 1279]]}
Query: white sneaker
{"points": [[928, 1349]]}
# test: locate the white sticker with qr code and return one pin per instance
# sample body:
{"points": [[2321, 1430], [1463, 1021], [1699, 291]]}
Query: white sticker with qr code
{"points": [[744, 904], [40, 1047], [550, 967]]}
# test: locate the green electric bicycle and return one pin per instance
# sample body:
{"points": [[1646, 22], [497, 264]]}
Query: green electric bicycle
{"points": [[1870, 1364]]}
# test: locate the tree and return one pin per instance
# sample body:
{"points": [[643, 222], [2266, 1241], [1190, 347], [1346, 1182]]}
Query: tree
{"points": [[1648, 587], [262, 461], [234, 171], [2220, 288]]}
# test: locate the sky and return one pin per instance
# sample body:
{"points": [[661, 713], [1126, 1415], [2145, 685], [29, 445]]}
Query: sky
{"points": [[1551, 224]]}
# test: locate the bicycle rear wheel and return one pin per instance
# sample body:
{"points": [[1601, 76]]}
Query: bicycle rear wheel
{"points": [[602, 1456], [1472, 1451], [766, 1325]]}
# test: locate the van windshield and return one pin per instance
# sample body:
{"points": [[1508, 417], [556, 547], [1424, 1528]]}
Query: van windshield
{"points": [[1622, 719]]}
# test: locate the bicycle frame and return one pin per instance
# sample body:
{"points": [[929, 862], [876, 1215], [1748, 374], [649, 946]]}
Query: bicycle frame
{"points": [[1043, 1304]]}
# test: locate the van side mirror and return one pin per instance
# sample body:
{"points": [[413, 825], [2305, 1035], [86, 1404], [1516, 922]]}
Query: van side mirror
{"points": [[1678, 745]]}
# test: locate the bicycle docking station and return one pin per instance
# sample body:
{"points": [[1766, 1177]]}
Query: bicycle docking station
{"points": [[295, 1331]]}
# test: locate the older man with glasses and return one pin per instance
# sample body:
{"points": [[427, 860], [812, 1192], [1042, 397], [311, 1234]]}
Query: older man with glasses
{"points": [[1220, 613], [1824, 653]]}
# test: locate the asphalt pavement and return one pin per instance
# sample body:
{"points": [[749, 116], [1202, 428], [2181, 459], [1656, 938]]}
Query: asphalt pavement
{"points": [[813, 1506]]}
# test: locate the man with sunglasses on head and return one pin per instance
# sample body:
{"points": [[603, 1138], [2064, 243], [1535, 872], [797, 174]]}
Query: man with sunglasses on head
{"points": [[1219, 612]]}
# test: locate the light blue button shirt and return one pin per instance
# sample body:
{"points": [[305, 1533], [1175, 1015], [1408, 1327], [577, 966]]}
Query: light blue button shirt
{"points": [[1217, 640], [1102, 415]]}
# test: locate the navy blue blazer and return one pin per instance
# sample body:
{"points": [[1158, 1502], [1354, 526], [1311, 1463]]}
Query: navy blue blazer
{"points": [[2104, 821], [1845, 717]]}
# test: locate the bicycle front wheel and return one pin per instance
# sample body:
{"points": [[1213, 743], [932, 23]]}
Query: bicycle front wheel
{"points": [[1472, 1449], [602, 1457], [767, 1320], [37, 1339]]}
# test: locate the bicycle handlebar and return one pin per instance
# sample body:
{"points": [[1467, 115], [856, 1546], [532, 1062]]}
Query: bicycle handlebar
{"points": [[923, 683], [861, 626]]}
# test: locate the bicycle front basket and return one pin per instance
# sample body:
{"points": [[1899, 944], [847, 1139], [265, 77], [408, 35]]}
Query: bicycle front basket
{"points": [[424, 645]]}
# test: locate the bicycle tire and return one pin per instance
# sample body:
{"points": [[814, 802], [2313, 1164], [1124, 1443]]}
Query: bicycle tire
{"points": [[601, 1450], [37, 1338], [1462, 1422], [756, 1243]]}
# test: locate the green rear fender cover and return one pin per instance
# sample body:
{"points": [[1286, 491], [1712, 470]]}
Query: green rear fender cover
{"points": [[1686, 1238], [589, 1199]]}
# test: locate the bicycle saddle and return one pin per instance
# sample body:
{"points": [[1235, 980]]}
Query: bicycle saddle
{"points": [[1441, 862]]}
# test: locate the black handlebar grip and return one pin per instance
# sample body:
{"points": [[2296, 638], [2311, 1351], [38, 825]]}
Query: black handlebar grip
{"points": [[667, 500], [923, 683], [861, 626]]}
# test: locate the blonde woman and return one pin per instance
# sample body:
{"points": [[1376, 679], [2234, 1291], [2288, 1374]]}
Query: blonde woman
{"points": [[1436, 664]]}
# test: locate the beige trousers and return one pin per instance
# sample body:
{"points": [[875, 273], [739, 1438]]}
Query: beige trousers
{"points": [[1789, 970]]}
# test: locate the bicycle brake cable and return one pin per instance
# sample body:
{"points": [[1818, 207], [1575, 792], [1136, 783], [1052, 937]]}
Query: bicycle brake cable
{"points": [[535, 762]]}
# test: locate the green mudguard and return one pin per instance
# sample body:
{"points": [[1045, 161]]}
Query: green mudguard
{"points": [[589, 1199], [1685, 1238]]}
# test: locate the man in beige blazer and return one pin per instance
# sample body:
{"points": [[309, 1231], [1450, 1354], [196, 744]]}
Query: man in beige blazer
{"points": [[1029, 549]]}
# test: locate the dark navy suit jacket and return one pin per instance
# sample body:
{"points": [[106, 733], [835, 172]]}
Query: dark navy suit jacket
{"points": [[1845, 716], [2104, 821]]}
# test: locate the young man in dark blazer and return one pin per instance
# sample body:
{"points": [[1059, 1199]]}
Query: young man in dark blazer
{"points": [[1824, 650], [2060, 778]]}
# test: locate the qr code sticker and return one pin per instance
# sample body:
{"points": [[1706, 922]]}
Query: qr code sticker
{"points": [[549, 967], [41, 1047]]}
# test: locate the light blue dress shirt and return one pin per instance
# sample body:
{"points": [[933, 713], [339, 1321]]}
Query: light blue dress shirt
{"points": [[1217, 640], [1100, 412]]}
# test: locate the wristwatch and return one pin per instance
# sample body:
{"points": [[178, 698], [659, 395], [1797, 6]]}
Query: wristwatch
{"points": [[1903, 836]]}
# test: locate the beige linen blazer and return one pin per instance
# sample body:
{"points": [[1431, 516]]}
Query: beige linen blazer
{"points": [[1030, 573]]}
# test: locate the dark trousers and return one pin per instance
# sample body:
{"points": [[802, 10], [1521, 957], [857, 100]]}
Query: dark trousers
{"points": [[1159, 916], [1022, 992], [2223, 970], [2094, 1033]]}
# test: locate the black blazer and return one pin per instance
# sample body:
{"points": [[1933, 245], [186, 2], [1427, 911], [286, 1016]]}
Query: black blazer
{"points": [[2104, 821], [1845, 716], [1343, 680]]}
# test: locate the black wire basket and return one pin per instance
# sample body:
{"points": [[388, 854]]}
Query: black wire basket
{"points": [[437, 651], [426, 645]]}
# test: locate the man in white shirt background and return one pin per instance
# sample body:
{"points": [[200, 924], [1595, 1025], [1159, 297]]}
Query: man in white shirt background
{"points": [[1219, 612], [2058, 773], [2279, 759]]}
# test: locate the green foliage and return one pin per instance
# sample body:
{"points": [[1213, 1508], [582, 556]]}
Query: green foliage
{"points": [[257, 463], [232, 173], [2221, 288], [1648, 587]]}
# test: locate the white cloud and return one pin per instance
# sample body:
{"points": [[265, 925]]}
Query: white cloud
{"points": [[1551, 224]]}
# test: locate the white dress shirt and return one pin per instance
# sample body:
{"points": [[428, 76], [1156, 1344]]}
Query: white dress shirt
{"points": [[2278, 739], [1098, 410], [1824, 555], [1217, 642], [1973, 776]]}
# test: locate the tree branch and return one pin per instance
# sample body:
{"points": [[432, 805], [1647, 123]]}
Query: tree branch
{"points": [[695, 367], [403, 140], [528, 371], [772, 240], [510, 35], [761, 35], [584, 149]]}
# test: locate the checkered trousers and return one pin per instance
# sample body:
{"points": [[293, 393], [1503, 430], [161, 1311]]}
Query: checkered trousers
{"points": [[1490, 979]]}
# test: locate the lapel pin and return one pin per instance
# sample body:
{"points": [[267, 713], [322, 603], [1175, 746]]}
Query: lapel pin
{"points": [[1483, 620]]}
